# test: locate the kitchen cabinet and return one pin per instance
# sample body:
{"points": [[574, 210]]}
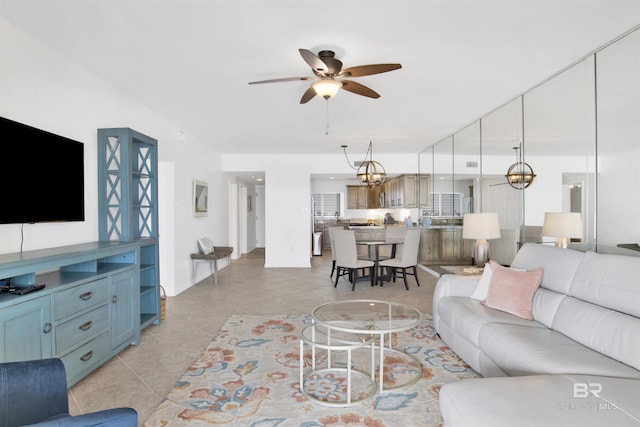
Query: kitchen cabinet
{"points": [[424, 190], [362, 197], [404, 191], [429, 245], [352, 196], [444, 245]]}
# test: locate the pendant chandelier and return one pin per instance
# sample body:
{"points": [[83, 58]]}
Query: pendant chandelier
{"points": [[370, 172], [520, 175]]}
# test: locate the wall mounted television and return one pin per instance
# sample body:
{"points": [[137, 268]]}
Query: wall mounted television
{"points": [[41, 175]]}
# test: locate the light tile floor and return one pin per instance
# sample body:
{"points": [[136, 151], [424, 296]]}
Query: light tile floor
{"points": [[141, 376]]}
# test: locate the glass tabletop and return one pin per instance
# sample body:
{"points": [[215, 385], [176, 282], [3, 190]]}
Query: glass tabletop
{"points": [[367, 316]]}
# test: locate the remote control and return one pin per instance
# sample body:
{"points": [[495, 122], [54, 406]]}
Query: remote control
{"points": [[23, 290]]}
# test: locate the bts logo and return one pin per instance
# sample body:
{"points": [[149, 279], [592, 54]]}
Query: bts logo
{"points": [[582, 390]]}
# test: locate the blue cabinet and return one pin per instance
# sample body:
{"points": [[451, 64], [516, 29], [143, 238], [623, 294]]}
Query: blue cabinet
{"points": [[127, 205], [26, 330], [87, 313], [123, 310]]}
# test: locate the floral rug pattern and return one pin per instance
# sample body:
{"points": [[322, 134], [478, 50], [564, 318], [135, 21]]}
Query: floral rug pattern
{"points": [[249, 375]]}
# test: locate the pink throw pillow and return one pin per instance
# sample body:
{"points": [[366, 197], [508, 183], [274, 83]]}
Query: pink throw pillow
{"points": [[512, 291]]}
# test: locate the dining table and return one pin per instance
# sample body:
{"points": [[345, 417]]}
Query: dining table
{"points": [[374, 244]]}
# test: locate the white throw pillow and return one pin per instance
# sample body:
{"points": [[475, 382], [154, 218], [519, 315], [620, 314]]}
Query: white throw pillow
{"points": [[482, 288], [205, 246]]}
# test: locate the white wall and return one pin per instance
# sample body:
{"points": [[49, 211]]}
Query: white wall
{"points": [[43, 89]]}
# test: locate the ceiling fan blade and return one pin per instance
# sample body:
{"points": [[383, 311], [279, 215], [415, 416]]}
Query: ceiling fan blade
{"points": [[285, 79], [367, 70], [316, 64], [308, 95], [359, 89]]}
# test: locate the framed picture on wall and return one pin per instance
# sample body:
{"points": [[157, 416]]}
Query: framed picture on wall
{"points": [[200, 198]]}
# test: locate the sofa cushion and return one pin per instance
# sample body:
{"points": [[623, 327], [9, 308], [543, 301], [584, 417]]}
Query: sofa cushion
{"points": [[545, 305], [610, 281], [540, 400], [606, 331], [522, 350], [559, 265], [467, 316], [482, 289], [512, 291]]}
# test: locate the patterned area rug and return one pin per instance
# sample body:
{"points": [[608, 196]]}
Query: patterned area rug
{"points": [[249, 375]]}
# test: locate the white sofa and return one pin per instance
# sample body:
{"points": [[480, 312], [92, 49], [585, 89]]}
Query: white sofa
{"points": [[576, 363]]}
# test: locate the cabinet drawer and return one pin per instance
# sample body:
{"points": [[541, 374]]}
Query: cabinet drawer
{"points": [[81, 328], [81, 297], [84, 358]]}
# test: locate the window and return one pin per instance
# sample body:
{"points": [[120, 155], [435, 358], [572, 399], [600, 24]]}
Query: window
{"points": [[328, 204], [446, 204]]}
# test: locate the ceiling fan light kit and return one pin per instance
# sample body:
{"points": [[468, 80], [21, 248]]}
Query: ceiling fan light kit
{"points": [[327, 68], [326, 88]]}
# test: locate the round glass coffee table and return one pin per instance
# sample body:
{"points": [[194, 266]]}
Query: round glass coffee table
{"points": [[380, 319], [340, 384]]}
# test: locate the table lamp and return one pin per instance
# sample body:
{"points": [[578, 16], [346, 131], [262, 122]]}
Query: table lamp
{"points": [[563, 226], [482, 227]]}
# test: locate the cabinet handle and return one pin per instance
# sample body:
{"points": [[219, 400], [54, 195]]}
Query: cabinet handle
{"points": [[86, 356], [114, 299], [47, 328], [86, 295], [86, 326]]}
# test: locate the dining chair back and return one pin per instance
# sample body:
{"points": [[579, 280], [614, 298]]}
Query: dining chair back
{"points": [[347, 262], [395, 233], [408, 259], [333, 251]]}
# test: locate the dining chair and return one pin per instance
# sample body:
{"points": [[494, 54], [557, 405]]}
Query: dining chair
{"points": [[333, 251], [347, 262], [394, 233], [407, 259]]}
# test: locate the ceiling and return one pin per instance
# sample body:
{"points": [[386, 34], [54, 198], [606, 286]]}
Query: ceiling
{"points": [[191, 61]]}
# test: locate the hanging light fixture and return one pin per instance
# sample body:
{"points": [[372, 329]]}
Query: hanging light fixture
{"points": [[520, 175], [370, 172], [326, 88]]}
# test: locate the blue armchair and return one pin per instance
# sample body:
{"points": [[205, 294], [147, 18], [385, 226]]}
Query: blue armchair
{"points": [[35, 393]]}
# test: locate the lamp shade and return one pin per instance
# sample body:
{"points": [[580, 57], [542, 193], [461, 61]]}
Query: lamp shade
{"points": [[563, 224], [481, 226], [326, 88]]}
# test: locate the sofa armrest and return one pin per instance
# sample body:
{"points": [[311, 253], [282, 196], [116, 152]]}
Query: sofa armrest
{"points": [[32, 391], [451, 285]]}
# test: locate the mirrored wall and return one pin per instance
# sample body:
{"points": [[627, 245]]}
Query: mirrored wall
{"points": [[579, 131]]}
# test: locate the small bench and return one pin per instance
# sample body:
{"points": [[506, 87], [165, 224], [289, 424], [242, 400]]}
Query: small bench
{"points": [[219, 252]]}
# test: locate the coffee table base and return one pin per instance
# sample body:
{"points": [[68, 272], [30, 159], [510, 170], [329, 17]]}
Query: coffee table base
{"points": [[399, 370]]}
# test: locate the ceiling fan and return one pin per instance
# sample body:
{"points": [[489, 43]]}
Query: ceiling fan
{"points": [[331, 76]]}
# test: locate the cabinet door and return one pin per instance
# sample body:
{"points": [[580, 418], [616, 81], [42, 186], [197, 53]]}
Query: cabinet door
{"points": [[26, 331], [410, 196], [363, 196], [424, 191], [123, 308], [352, 197]]}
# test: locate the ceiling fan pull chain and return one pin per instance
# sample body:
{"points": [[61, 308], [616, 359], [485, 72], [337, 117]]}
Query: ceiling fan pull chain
{"points": [[326, 129]]}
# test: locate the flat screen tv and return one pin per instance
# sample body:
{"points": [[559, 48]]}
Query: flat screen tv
{"points": [[41, 175]]}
